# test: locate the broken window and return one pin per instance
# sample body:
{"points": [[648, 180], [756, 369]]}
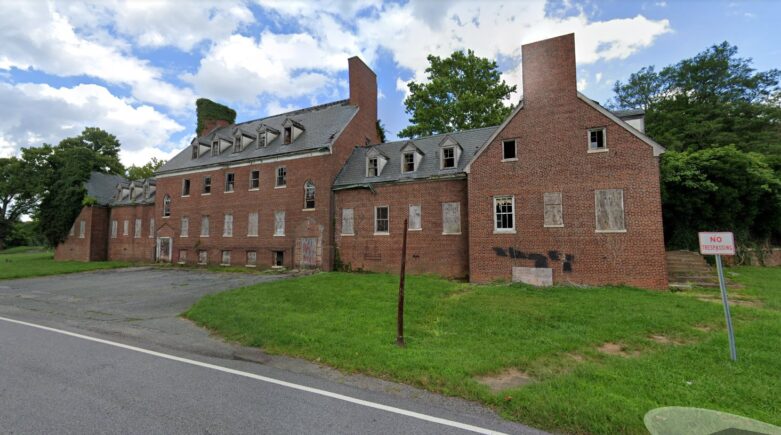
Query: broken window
{"points": [[504, 214], [230, 180], [252, 224], [372, 167], [609, 210], [216, 148], [204, 226], [186, 187], [227, 225], [184, 227], [252, 258], [262, 140], [508, 149], [279, 223], [254, 179], [166, 207], [451, 218], [381, 220], [125, 227], [203, 256], [207, 185], [347, 222], [553, 216], [195, 151], [448, 157], [596, 139], [83, 228], [281, 177], [309, 195], [226, 258], [113, 229], [137, 229], [408, 163], [288, 137], [415, 222], [278, 258], [237, 144]]}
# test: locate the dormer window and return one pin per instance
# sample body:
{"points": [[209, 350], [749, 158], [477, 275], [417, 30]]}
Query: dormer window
{"points": [[448, 157], [262, 140], [372, 170], [375, 162], [411, 156], [288, 135], [237, 143], [291, 130], [408, 162], [216, 148], [195, 151]]}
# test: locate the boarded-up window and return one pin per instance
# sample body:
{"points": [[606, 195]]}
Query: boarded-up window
{"points": [[113, 229], [252, 224], [451, 218], [227, 226], [83, 228], [252, 258], [203, 256], [226, 258], [182, 255], [137, 229], [185, 227], [610, 209], [414, 217], [279, 223], [348, 227], [204, 226], [151, 228], [553, 209], [125, 227]]}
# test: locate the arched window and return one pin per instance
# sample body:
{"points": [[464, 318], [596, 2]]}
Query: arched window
{"points": [[309, 194], [167, 206]]}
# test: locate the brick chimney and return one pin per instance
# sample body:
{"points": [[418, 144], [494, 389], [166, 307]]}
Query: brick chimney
{"points": [[363, 93], [549, 76], [211, 115]]}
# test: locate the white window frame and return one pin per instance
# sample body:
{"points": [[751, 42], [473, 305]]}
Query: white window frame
{"points": [[276, 228], [515, 148], [125, 227], [596, 211], [232, 184], [352, 223], [498, 230], [203, 188], [284, 178], [604, 140], [251, 179], [309, 185], [381, 233], [409, 217], [188, 183], [445, 233], [376, 167], [442, 158], [184, 227], [215, 148], [166, 207], [227, 228], [253, 221], [404, 162]]}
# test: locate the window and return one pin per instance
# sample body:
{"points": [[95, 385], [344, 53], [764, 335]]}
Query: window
{"points": [[372, 168], [185, 227], [137, 229], [252, 224], [182, 256], [254, 179], [279, 223], [504, 214], [596, 139], [237, 144], [381, 220], [204, 226], [508, 148], [83, 228], [166, 206], [281, 177], [414, 217], [309, 195], [227, 225], [226, 258], [348, 228], [288, 135], [278, 259], [195, 151], [448, 157], [451, 218], [609, 210], [252, 258], [203, 256], [230, 179], [262, 140], [553, 216], [151, 228], [207, 185], [125, 227], [408, 162], [186, 187], [216, 148], [113, 229]]}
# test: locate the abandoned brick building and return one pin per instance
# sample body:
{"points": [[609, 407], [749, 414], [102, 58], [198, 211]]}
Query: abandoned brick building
{"points": [[562, 191]]}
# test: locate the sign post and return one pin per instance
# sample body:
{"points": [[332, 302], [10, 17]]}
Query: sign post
{"points": [[719, 244]]}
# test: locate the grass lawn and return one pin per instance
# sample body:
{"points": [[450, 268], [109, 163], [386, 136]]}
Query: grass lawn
{"points": [[669, 349], [23, 262]]}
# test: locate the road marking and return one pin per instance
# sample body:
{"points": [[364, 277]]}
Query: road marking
{"points": [[299, 387]]}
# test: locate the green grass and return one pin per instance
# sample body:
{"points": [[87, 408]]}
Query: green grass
{"points": [[456, 331], [23, 262]]}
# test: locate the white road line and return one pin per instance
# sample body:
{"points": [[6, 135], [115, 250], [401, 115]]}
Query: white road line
{"points": [[325, 393]]}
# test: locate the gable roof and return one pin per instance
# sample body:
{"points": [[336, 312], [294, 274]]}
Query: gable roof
{"points": [[323, 125], [353, 174]]}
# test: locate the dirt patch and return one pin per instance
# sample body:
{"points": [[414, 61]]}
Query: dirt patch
{"points": [[753, 303], [577, 357], [510, 378], [663, 339], [703, 328], [616, 349]]}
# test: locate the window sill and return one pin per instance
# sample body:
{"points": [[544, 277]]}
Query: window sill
{"points": [[206, 194], [249, 265], [166, 217], [610, 231], [414, 229], [451, 234], [204, 237], [229, 191], [280, 187], [279, 235], [254, 189], [308, 209], [514, 159], [597, 150], [202, 264], [382, 234], [186, 196], [554, 226], [277, 267], [346, 235], [182, 237], [252, 235], [504, 232]]}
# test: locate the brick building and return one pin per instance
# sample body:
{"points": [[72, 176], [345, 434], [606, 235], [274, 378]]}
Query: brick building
{"points": [[562, 191]]}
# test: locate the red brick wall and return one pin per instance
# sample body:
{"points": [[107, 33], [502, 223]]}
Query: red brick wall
{"points": [[428, 250], [552, 157], [93, 246], [128, 247]]}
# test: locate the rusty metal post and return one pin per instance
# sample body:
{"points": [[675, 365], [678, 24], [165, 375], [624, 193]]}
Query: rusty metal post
{"points": [[400, 310]]}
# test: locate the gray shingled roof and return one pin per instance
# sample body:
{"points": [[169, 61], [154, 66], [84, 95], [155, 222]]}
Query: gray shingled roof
{"points": [[628, 113], [144, 192], [321, 123], [354, 171], [103, 187]]}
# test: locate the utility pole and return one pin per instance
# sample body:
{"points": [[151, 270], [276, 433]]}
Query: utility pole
{"points": [[400, 310]]}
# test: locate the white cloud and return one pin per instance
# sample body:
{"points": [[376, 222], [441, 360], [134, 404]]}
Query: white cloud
{"points": [[142, 156], [35, 113], [582, 85]]}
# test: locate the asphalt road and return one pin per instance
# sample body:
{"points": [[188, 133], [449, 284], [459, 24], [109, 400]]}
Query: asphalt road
{"points": [[156, 373]]}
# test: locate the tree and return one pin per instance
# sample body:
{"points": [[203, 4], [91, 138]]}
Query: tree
{"points": [[104, 145], [463, 91], [381, 131], [18, 194], [146, 171]]}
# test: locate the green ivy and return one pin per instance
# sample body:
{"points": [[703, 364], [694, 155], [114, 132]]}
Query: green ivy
{"points": [[208, 109]]}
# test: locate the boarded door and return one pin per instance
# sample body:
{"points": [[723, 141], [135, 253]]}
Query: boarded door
{"points": [[164, 247], [308, 249]]}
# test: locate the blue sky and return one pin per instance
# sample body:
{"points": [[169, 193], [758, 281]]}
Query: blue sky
{"points": [[136, 68]]}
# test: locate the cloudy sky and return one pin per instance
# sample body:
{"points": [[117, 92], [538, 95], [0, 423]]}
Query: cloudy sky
{"points": [[136, 68]]}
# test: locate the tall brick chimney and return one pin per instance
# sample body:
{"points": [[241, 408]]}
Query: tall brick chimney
{"points": [[363, 93], [549, 75], [211, 115]]}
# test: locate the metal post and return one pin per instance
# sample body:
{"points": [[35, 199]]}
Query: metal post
{"points": [[723, 285], [400, 309]]}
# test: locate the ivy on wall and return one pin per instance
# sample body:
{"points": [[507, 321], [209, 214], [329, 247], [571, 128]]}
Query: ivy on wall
{"points": [[208, 109]]}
